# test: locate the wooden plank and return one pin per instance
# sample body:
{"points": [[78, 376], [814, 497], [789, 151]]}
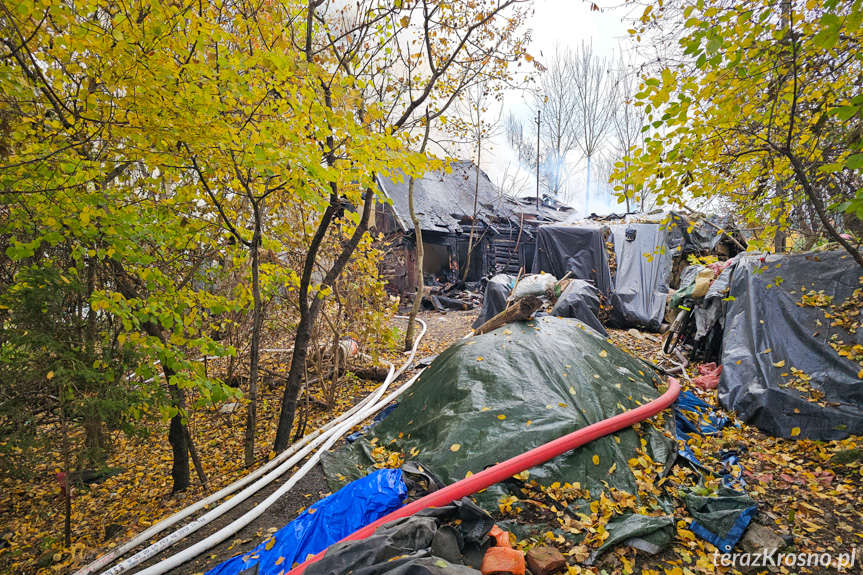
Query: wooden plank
{"points": [[520, 311]]}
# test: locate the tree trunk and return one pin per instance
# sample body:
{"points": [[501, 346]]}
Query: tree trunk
{"points": [[587, 190], [176, 436], [254, 352], [67, 484], [520, 311], [196, 459], [304, 333], [420, 250], [420, 285], [179, 445], [818, 204], [308, 313], [94, 437], [473, 219], [779, 239]]}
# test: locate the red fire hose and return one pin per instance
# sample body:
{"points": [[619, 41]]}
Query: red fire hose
{"points": [[517, 464]]}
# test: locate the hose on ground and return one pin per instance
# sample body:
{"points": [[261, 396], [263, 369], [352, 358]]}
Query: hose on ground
{"points": [[209, 542], [517, 464], [282, 462]]}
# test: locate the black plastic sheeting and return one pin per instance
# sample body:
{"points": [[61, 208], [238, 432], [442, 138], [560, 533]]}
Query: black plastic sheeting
{"points": [[491, 397], [767, 334], [641, 281], [688, 237], [580, 300], [494, 301], [444, 540], [637, 292], [580, 250]]}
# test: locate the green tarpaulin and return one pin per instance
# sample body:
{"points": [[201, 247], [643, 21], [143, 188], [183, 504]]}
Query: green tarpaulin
{"points": [[491, 397]]}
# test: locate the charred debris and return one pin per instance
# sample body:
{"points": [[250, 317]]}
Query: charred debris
{"points": [[507, 231], [449, 205]]}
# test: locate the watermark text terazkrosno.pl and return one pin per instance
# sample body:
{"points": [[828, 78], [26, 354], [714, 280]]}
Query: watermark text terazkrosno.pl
{"points": [[775, 558]]}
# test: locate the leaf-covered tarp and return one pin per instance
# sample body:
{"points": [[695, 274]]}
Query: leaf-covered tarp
{"points": [[789, 367], [491, 397]]}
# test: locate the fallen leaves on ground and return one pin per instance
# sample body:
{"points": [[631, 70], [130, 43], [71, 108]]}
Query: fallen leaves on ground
{"points": [[808, 489], [32, 506]]}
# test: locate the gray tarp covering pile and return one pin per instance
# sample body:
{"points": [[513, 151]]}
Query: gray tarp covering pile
{"points": [[767, 333], [580, 300], [579, 250], [641, 281], [637, 291], [494, 301], [503, 393]]}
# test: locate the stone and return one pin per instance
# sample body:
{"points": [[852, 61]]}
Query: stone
{"points": [[759, 538], [545, 561]]}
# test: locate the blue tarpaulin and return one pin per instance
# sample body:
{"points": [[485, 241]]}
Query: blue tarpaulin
{"points": [[693, 415], [329, 520], [378, 418], [708, 421], [728, 512]]}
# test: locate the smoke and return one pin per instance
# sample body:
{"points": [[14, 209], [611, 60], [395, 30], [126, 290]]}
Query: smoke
{"points": [[566, 24]]}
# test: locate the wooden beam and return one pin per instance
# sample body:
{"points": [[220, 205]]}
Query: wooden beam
{"points": [[519, 311]]}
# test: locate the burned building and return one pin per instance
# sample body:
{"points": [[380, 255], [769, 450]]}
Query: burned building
{"points": [[448, 205]]}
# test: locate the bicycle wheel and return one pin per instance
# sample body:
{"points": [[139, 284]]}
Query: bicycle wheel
{"points": [[675, 333]]}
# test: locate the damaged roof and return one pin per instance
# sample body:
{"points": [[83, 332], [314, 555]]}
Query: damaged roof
{"points": [[550, 211], [444, 201]]}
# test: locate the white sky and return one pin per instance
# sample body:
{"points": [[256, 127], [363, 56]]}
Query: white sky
{"points": [[567, 23]]}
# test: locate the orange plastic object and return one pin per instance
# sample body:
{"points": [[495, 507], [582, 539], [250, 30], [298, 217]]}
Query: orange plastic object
{"points": [[503, 560], [501, 537]]}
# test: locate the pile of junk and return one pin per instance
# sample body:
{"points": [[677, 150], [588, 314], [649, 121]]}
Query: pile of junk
{"points": [[536, 433], [539, 406], [632, 264], [781, 333], [543, 408], [761, 327]]}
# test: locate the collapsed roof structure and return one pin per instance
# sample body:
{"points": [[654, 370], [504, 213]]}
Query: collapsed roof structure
{"points": [[448, 204]]}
